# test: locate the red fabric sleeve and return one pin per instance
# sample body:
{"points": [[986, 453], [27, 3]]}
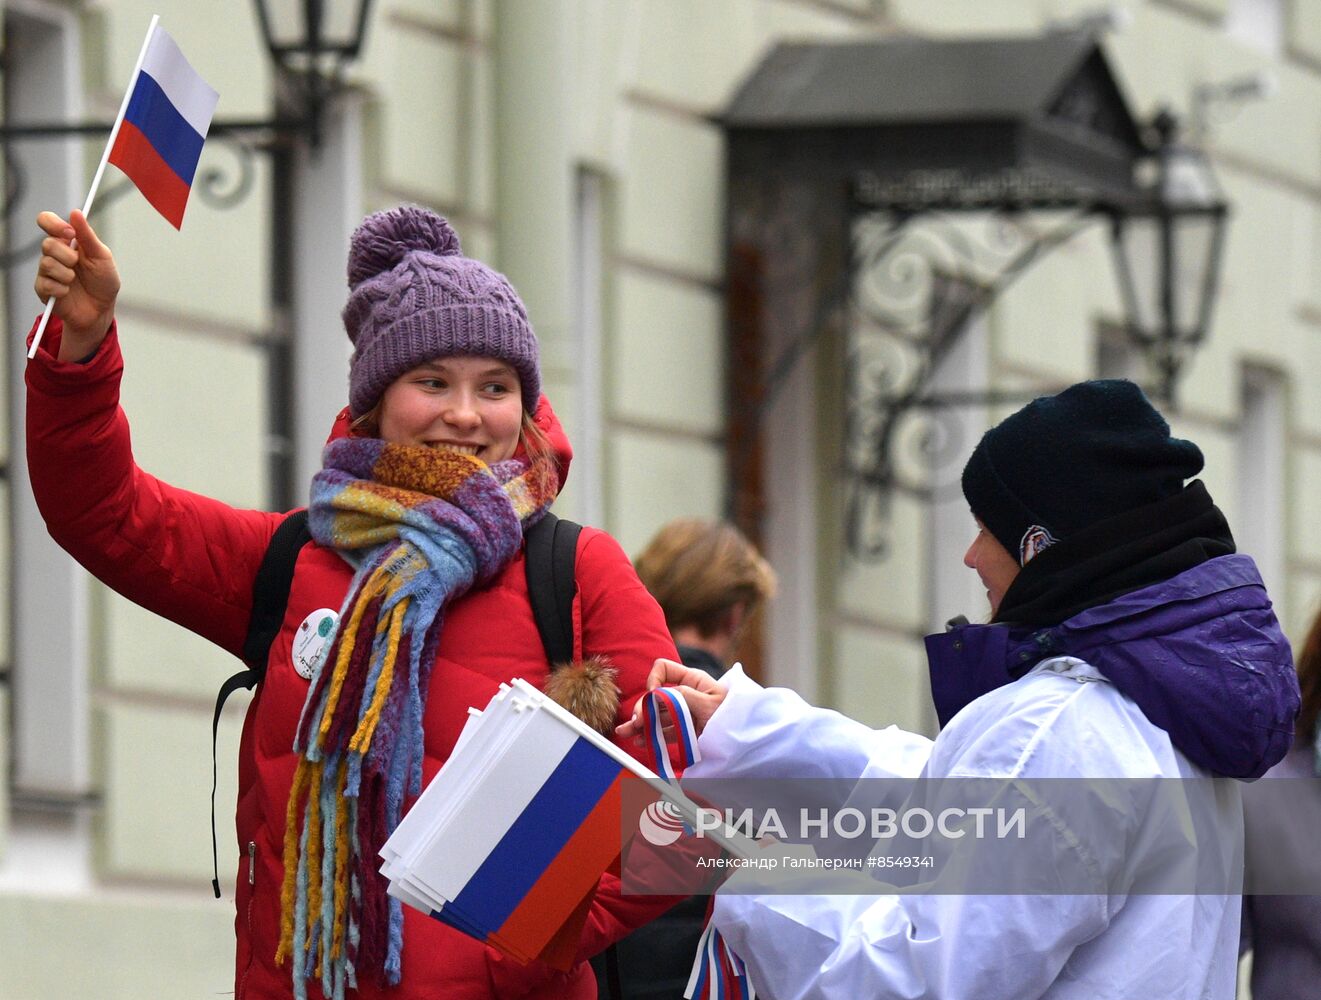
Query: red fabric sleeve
{"points": [[184, 556], [619, 620]]}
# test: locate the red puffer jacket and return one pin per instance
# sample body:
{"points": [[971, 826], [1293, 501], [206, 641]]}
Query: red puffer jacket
{"points": [[193, 560]]}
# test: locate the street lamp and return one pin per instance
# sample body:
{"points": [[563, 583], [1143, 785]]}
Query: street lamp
{"points": [[1167, 250], [303, 36]]}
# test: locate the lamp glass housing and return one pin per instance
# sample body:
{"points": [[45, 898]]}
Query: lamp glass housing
{"points": [[1167, 249]]}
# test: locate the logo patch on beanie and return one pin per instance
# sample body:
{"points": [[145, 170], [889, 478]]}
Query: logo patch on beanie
{"points": [[1035, 541]]}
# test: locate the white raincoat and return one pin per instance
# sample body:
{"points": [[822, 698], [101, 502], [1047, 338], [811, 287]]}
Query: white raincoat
{"points": [[1061, 720]]}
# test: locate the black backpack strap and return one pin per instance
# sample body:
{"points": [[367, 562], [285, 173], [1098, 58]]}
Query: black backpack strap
{"points": [[552, 550], [552, 554], [270, 590], [270, 598]]}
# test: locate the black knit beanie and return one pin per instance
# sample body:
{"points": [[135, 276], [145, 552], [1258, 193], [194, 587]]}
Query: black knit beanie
{"points": [[1064, 462]]}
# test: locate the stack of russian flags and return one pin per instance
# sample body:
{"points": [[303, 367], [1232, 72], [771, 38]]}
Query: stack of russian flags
{"points": [[509, 840]]}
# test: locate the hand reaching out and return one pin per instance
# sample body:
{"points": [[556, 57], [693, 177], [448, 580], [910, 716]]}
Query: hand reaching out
{"points": [[81, 277], [699, 689]]}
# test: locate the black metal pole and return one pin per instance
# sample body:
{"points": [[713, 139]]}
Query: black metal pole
{"points": [[312, 12], [1166, 127], [66, 130], [284, 492]]}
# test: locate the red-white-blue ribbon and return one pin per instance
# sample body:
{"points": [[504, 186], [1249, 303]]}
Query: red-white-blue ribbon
{"points": [[718, 974], [671, 700]]}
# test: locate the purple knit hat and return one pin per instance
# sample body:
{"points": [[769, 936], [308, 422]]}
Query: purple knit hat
{"points": [[414, 297]]}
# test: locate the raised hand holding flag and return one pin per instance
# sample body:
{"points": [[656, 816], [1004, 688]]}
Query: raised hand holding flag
{"points": [[157, 137], [77, 274]]}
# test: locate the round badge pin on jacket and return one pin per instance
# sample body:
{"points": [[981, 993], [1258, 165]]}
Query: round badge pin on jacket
{"points": [[312, 641]]}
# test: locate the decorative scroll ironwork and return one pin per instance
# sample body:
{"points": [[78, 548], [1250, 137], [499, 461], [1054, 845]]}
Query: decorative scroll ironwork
{"points": [[917, 280], [913, 283], [224, 188]]}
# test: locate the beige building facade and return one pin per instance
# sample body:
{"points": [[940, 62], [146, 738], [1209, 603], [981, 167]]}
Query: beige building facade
{"points": [[574, 146]]}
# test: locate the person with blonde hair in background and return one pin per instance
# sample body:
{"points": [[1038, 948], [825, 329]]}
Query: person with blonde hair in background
{"points": [[709, 580]]}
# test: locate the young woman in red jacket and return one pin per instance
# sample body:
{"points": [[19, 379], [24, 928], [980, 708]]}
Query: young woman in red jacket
{"points": [[446, 453]]}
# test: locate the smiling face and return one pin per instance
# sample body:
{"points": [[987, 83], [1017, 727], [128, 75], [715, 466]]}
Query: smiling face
{"points": [[994, 565], [465, 404]]}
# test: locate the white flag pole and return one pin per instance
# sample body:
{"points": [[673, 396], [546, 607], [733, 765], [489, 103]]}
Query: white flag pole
{"points": [[100, 170]]}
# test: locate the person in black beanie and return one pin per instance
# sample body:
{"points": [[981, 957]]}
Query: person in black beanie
{"points": [[1065, 468], [1128, 639]]}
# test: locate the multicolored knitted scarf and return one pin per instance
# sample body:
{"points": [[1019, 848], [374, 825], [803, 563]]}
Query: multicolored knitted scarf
{"points": [[421, 527]]}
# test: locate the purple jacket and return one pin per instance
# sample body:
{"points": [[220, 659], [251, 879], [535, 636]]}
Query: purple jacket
{"points": [[1201, 654]]}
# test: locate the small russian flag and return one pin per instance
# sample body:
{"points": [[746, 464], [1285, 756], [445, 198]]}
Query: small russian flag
{"points": [[166, 118], [157, 138]]}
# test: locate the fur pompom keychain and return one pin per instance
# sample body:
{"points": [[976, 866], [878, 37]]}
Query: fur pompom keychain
{"points": [[587, 688]]}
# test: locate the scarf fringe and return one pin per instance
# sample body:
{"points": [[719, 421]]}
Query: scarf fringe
{"points": [[422, 527]]}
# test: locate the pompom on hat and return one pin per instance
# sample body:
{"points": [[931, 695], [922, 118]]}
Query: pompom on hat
{"points": [[415, 297]]}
